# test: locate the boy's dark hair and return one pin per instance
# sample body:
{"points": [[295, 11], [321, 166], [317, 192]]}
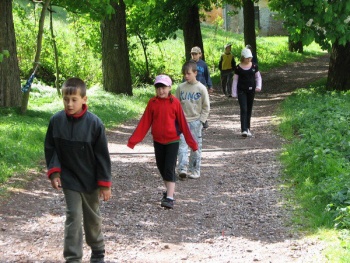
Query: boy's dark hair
{"points": [[72, 85], [189, 65]]}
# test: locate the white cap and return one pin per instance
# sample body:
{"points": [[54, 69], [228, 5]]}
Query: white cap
{"points": [[246, 53]]}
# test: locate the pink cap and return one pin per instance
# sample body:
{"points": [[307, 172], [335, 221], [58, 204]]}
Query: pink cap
{"points": [[164, 79]]}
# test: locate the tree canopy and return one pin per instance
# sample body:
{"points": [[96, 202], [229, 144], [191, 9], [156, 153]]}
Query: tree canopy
{"points": [[324, 22], [328, 24]]}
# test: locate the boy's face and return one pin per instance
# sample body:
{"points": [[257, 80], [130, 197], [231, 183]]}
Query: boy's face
{"points": [[163, 92], [195, 56], [190, 76], [73, 104]]}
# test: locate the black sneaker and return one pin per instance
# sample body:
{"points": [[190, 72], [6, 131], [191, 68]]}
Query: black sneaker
{"points": [[97, 256], [167, 203], [164, 196]]}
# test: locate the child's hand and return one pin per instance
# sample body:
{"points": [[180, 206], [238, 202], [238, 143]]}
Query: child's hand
{"points": [[56, 183], [105, 193]]}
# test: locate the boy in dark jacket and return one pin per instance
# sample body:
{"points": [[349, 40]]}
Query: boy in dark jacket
{"points": [[78, 162], [203, 75]]}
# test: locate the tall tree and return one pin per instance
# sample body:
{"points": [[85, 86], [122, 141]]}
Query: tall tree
{"points": [[328, 24], [10, 84], [115, 52], [338, 73], [25, 96], [184, 15], [249, 24], [191, 28]]}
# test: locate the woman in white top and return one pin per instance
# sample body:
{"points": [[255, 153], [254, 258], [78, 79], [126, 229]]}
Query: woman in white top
{"points": [[246, 81]]}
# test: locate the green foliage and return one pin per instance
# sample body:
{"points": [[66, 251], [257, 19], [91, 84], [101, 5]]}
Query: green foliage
{"points": [[324, 22], [317, 159], [74, 35], [340, 208], [78, 33], [168, 56]]}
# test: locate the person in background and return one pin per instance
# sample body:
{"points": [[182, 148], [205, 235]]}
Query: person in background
{"points": [[246, 81], [78, 162], [254, 59], [227, 64], [168, 121], [203, 74], [194, 99]]}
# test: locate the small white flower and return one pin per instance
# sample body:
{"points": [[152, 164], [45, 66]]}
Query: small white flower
{"points": [[347, 20], [309, 22]]}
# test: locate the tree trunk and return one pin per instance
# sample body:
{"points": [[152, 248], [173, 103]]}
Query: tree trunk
{"points": [[10, 83], [192, 31], [53, 37], [39, 41], [249, 24], [115, 53], [339, 64], [295, 46], [147, 76]]}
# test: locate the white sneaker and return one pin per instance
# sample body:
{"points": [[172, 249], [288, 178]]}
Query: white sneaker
{"points": [[249, 134], [244, 134], [194, 175], [182, 174]]}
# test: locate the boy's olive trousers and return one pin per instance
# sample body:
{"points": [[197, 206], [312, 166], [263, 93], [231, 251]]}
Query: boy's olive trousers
{"points": [[83, 210]]}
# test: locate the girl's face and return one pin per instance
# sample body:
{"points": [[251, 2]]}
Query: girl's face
{"points": [[246, 60], [163, 92], [190, 76]]}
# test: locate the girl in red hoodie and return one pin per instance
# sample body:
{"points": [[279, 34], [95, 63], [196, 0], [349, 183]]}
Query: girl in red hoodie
{"points": [[164, 113]]}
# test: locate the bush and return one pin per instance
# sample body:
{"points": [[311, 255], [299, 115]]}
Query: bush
{"points": [[318, 157]]}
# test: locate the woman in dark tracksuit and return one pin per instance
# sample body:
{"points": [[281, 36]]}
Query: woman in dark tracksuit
{"points": [[246, 81]]}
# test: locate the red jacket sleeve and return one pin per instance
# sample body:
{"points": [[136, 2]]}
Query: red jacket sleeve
{"points": [[142, 127], [185, 129]]}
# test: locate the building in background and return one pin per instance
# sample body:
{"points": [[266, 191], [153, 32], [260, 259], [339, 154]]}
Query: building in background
{"points": [[266, 21]]}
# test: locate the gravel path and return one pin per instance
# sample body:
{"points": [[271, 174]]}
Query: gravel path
{"points": [[234, 213]]}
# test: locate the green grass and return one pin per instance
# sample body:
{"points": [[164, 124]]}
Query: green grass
{"points": [[22, 136], [316, 164], [168, 56]]}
